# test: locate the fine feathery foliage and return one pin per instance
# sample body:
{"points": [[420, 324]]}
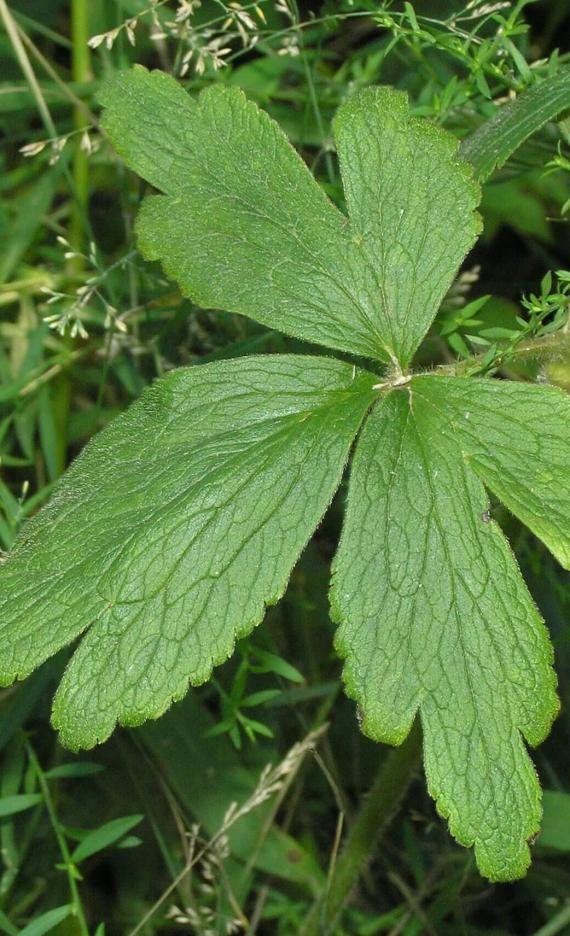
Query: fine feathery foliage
{"points": [[183, 519]]}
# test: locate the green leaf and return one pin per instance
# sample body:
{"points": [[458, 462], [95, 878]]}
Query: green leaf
{"points": [[411, 204], [434, 613], [172, 531], [47, 921], [6, 926], [271, 663], [105, 835], [244, 227], [182, 520], [18, 803], [74, 769], [515, 436], [32, 208], [130, 841], [495, 140]]}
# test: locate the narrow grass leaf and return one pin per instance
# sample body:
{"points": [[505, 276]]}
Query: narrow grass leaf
{"points": [[105, 835], [9, 805], [47, 921], [489, 147], [74, 769]]}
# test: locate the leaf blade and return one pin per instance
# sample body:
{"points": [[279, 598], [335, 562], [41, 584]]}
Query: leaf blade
{"points": [[9, 805], [490, 146], [173, 530], [241, 225], [411, 203], [465, 645], [516, 438], [106, 835], [47, 921]]}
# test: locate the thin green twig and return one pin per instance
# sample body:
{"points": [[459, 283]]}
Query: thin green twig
{"points": [[14, 35], [77, 907]]}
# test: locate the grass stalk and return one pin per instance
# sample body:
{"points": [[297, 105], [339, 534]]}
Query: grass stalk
{"points": [[24, 62], [81, 73], [61, 841], [388, 790]]}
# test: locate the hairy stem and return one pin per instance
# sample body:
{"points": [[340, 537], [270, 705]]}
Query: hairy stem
{"points": [[554, 347], [386, 794], [546, 348]]}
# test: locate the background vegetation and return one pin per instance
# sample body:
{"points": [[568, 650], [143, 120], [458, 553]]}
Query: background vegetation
{"points": [[90, 845]]}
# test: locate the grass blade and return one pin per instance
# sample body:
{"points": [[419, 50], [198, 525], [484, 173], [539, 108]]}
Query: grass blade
{"points": [[489, 147]]}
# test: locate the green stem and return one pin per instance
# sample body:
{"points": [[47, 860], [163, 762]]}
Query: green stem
{"points": [[555, 347], [20, 53], [386, 794], [547, 348], [18, 41], [313, 96], [81, 73], [79, 39], [556, 924], [61, 841]]}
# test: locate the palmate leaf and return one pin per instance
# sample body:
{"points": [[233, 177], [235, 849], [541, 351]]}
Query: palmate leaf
{"points": [[172, 531], [183, 519], [435, 614], [244, 227]]}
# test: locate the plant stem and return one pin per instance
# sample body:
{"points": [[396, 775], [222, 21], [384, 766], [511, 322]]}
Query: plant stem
{"points": [[274, 780], [18, 40], [386, 794], [81, 73], [313, 95], [61, 841], [554, 347], [556, 924], [545, 348], [20, 53], [66, 91]]}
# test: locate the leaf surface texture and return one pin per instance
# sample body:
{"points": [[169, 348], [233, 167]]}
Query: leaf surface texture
{"points": [[173, 530], [243, 226], [516, 437], [435, 616]]}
